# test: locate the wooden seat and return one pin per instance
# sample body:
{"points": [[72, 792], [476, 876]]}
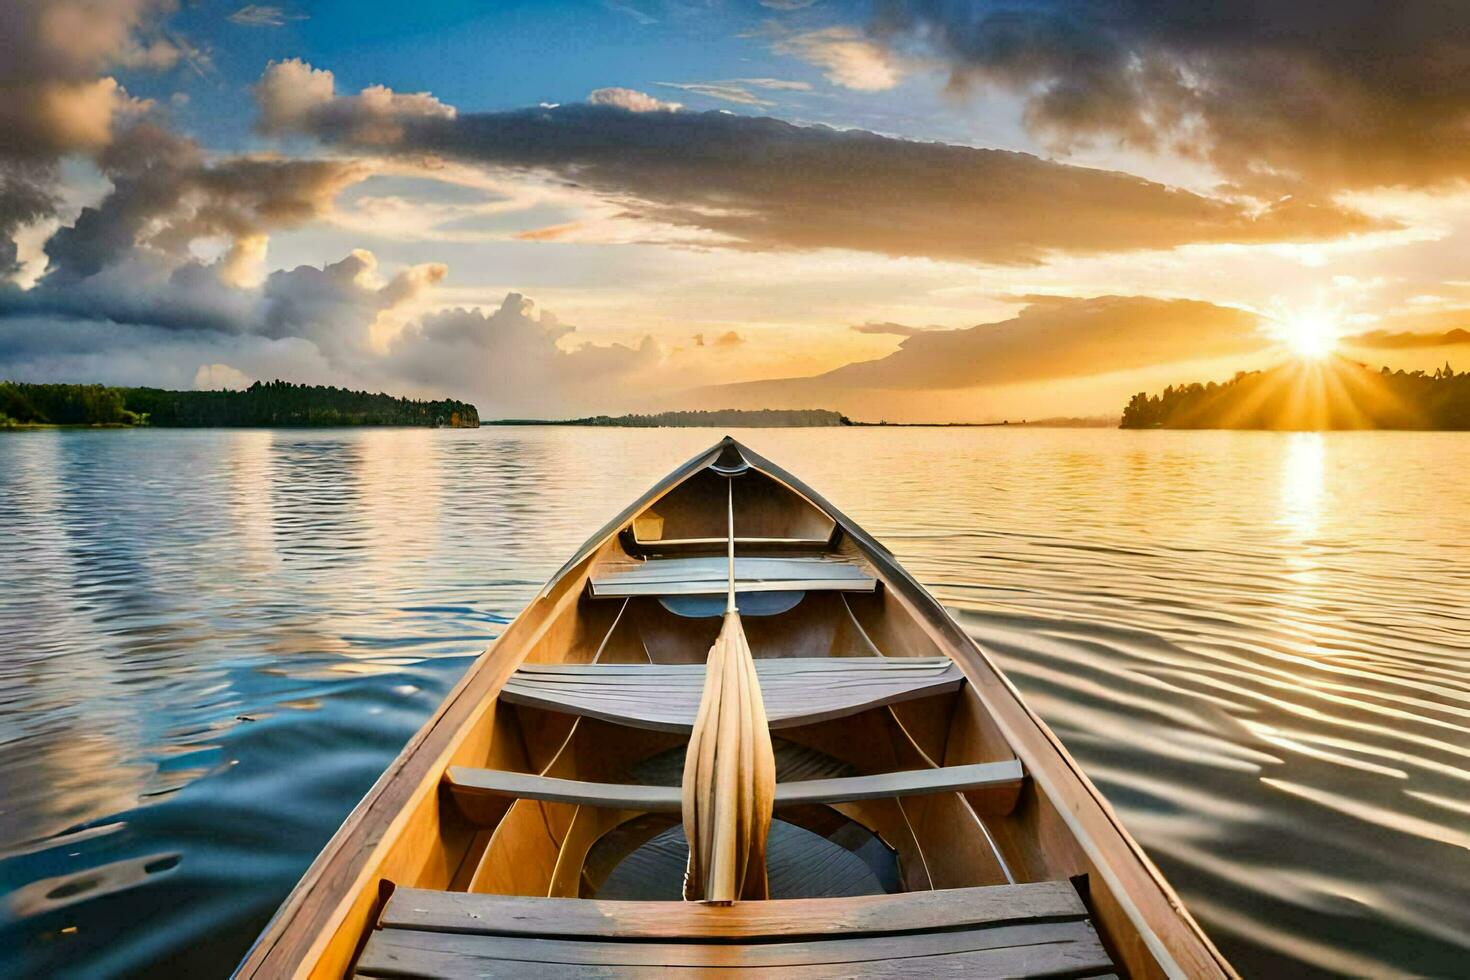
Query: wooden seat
{"points": [[1039, 929], [469, 783], [710, 576], [665, 697]]}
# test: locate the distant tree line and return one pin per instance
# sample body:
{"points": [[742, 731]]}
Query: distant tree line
{"points": [[63, 405], [1338, 395], [719, 418], [274, 403]]}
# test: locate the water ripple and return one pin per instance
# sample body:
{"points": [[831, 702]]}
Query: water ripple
{"points": [[1255, 643]]}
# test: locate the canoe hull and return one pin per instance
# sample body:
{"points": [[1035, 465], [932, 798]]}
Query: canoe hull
{"points": [[1056, 826]]}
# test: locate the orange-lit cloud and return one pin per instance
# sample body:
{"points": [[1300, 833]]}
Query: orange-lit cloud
{"points": [[1053, 338], [1382, 340], [766, 184]]}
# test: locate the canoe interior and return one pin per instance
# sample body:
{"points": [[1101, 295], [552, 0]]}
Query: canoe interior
{"points": [[414, 830]]}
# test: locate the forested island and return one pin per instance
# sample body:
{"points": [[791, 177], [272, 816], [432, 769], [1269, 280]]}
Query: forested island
{"points": [[764, 418], [1337, 394], [272, 403]]}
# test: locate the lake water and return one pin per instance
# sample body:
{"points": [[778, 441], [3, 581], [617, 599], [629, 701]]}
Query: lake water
{"points": [[212, 642]]}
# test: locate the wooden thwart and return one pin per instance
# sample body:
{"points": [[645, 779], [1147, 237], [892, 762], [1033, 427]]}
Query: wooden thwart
{"points": [[796, 691], [1037, 929], [710, 576], [463, 781], [437, 911]]}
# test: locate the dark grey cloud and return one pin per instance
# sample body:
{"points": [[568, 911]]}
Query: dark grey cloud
{"points": [[1351, 93], [26, 195], [768, 184]]}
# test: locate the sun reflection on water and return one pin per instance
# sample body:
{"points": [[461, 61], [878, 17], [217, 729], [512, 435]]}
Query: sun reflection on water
{"points": [[1303, 484]]}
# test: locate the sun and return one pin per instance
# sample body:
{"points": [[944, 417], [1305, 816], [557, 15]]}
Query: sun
{"points": [[1310, 335]]}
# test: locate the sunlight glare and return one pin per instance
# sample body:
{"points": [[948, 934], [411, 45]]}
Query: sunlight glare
{"points": [[1311, 334]]}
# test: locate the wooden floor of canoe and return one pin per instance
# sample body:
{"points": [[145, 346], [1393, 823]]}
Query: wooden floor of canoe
{"points": [[1033, 930]]}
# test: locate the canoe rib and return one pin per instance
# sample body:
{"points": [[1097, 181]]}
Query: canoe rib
{"points": [[463, 781], [665, 697]]}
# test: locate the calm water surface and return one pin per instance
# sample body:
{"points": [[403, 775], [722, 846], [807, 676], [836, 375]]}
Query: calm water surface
{"points": [[212, 642]]}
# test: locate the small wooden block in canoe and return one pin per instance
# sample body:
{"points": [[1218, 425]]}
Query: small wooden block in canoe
{"points": [[665, 697], [1039, 929]]}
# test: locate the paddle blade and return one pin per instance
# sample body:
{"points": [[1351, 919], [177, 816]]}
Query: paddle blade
{"points": [[729, 777]]}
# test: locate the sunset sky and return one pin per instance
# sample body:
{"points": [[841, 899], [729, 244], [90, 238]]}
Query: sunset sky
{"points": [[903, 210]]}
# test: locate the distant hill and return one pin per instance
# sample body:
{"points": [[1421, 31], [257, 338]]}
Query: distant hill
{"points": [[1335, 394], [274, 403], [765, 418]]}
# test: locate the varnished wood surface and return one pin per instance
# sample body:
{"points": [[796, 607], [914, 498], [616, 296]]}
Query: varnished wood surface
{"points": [[1044, 949], [1014, 931], [463, 780], [439, 911], [709, 576], [665, 697], [695, 508]]}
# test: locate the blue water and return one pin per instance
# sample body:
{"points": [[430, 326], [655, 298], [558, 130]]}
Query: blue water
{"points": [[211, 643]]}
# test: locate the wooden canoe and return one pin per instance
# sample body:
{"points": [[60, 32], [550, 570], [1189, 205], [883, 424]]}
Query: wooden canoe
{"points": [[926, 820]]}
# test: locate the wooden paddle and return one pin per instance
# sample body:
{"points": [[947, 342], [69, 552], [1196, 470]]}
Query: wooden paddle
{"points": [[730, 769]]}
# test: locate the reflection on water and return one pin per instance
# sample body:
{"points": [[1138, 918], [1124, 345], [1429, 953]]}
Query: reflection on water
{"points": [[212, 642], [1302, 483]]}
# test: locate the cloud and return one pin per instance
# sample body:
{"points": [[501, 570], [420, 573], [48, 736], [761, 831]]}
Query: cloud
{"points": [[776, 84], [846, 57], [52, 57], [515, 362], [55, 99], [724, 91], [296, 98], [896, 329], [729, 338], [738, 90], [211, 377], [1349, 94], [1383, 340], [258, 15], [141, 322], [25, 197], [1062, 337], [631, 100], [123, 306], [165, 197], [630, 11], [787, 4], [766, 184], [1051, 339]]}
